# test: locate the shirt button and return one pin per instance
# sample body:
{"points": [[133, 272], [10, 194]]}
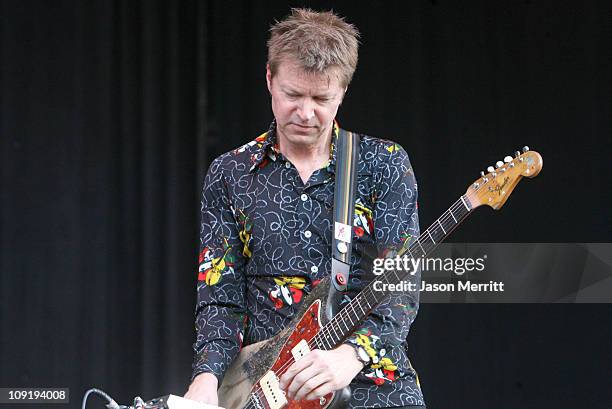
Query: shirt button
{"points": [[307, 233], [304, 197], [287, 165], [314, 269]]}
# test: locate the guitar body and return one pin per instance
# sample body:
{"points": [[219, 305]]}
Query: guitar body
{"points": [[241, 385]]}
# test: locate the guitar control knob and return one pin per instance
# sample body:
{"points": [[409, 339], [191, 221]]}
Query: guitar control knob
{"points": [[508, 159], [499, 164], [525, 148], [490, 169]]}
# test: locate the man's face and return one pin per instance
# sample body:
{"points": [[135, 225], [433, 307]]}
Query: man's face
{"points": [[304, 104]]}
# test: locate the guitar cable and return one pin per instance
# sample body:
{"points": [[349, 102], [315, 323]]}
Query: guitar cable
{"points": [[111, 402], [139, 403]]}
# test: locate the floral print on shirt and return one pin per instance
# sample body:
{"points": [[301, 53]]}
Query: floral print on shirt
{"points": [[265, 240]]}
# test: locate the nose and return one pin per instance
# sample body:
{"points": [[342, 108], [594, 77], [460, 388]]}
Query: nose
{"points": [[306, 110]]}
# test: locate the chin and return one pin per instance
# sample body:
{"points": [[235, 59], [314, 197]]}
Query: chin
{"points": [[297, 135], [301, 138]]}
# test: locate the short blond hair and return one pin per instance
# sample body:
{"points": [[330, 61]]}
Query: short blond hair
{"points": [[317, 40]]}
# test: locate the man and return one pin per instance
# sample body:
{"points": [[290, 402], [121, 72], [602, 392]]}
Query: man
{"points": [[267, 223]]}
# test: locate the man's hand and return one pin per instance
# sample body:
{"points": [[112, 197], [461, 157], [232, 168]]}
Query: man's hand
{"points": [[204, 389], [321, 372]]}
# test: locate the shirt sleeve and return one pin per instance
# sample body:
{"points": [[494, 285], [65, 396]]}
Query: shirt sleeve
{"points": [[220, 310], [395, 221]]}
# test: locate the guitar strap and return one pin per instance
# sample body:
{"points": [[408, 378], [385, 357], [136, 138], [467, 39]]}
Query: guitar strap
{"points": [[347, 157]]}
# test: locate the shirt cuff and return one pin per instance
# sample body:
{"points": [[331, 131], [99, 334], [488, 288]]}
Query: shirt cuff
{"points": [[212, 362]]}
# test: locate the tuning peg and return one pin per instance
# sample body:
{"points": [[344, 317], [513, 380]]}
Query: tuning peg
{"points": [[482, 173], [525, 148], [490, 169], [499, 164], [508, 159], [517, 154]]}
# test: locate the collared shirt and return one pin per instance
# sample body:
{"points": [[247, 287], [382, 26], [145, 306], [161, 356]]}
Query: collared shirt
{"points": [[265, 243]]}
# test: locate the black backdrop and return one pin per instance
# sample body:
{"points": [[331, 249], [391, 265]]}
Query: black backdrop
{"points": [[111, 111]]}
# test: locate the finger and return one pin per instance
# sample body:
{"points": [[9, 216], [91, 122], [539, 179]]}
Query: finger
{"points": [[322, 390], [294, 369], [287, 377], [311, 385], [302, 377]]}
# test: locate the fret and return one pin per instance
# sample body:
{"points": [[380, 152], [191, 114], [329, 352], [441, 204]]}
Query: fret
{"points": [[348, 316], [333, 329], [330, 339], [360, 307], [419, 242], [451, 213], [324, 333], [330, 335], [346, 326], [329, 344], [316, 341], [376, 297], [408, 251], [442, 227], [434, 233]]}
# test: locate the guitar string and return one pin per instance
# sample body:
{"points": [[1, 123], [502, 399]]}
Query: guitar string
{"points": [[443, 219], [460, 203], [456, 205], [315, 341], [344, 313]]}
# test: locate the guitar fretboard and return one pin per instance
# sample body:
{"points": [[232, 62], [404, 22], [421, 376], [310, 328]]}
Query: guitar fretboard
{"points": [[344, 322]]}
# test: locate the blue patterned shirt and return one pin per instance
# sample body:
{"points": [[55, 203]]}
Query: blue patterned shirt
{"points": [[265, 242]]}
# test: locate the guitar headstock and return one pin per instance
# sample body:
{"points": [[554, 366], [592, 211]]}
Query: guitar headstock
{"points": [[494, 188]]}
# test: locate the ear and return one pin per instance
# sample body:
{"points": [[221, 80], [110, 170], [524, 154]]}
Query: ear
{"points": [[269, 78]]}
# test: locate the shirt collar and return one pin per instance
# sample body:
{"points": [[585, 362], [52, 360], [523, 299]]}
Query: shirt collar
{"points": [[267, 148]]}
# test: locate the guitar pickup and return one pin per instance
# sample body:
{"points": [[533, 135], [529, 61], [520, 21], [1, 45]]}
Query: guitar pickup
{"points": [[275, 397], [300, 350]]}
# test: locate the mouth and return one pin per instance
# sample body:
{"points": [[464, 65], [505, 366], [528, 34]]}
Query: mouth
{"points": [[303, 127]]}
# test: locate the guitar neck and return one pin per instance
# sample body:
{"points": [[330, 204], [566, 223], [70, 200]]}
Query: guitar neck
{"points": [[343, 323]]}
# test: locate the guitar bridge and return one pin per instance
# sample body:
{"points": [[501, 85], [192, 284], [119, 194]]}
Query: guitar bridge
{"points": [[256, 401]]}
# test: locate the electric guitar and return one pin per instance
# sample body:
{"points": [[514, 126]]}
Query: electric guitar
{"points": [[252, 381]]}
